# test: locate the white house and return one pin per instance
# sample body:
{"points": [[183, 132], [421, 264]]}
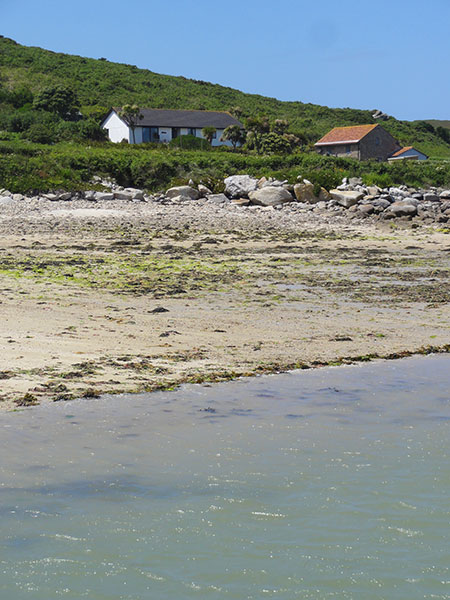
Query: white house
{"points": [[160, 125], [408, 153]]}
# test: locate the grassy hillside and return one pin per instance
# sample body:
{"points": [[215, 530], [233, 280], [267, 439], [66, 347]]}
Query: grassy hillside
{"points": [[436, 123], [100, 83]]}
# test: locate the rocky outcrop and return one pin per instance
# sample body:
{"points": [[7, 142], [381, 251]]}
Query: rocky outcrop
{"points": [[351, 199]]}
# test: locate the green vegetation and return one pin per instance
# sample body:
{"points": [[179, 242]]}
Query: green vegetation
{"points": [[26, 167], [100, 84], [208, 133], [51, 107], [131, 114], [233, 134], [436, 123]]}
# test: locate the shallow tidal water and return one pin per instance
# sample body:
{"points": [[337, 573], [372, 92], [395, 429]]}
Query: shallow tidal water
{"points": [[331, 483]]}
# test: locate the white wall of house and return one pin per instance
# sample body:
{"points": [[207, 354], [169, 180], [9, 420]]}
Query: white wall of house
{"points": [[117, 129]]}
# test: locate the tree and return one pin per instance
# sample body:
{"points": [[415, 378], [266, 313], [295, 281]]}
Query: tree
{"points": [[57, 99], [237, 112], [443, 133], [208, 133], [280, 126], [131, 113], [18, 97], [257, 127], [424, 126], [233, 134], [274, 143]]}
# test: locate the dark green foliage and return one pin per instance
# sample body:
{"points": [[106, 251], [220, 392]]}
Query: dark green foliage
{"points": [[40, 134], [436, 123], [90, 129], [280, 126], [273, 143], [424, 126], [256, 128], [208, 133], [57, 99], [15, 121], [98, 113], [233, 134], [18, 97], [26, 167], [443, 133]]}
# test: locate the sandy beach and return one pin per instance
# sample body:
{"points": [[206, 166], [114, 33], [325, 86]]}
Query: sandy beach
{"points": [[127, 297]]}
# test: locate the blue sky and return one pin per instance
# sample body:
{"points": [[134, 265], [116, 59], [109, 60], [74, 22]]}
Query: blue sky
{"points": [[393, 55]]}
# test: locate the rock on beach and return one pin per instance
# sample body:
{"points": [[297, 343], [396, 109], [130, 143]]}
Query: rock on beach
{"points": [[270, 196], [238, 186]]}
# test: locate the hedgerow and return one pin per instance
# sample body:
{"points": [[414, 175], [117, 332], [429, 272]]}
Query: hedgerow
{"points": [[26, 167]]}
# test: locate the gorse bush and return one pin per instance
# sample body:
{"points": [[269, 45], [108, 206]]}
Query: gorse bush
{"points": [[274, 143]]}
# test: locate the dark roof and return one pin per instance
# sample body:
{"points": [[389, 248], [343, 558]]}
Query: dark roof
{"points": [[156, 117]]}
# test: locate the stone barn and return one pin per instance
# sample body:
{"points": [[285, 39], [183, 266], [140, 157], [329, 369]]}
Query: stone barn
{"points": [[363, 142]]}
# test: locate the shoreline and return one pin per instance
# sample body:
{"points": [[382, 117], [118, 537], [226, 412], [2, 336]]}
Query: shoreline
{"points": [[114, 298]]}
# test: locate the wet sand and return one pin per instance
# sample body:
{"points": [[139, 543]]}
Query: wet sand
{"points": [[123, 297]]}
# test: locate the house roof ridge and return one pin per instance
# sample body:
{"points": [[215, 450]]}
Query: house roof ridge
{"points": [[116, 108], [360, 131], [180, 117], [404, 149]]}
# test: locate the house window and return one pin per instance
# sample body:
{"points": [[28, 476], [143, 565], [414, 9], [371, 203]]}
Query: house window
{"points": [[348, 149], [175, 132], [150, 134], [214, 137], [192, 131], [377, 141]]}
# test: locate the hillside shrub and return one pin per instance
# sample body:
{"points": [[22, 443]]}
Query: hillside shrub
{"points": [[40, 134], [273, 143], [59, 99]]}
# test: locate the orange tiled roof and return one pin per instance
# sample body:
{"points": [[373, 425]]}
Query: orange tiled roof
{"points": [[400, 152], [346, 135]]}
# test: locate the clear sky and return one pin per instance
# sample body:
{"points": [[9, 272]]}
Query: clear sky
{"points": [[388, 54]]}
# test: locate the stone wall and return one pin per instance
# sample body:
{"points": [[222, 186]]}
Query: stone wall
{"points": [[341, 150], [378, 144]]}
